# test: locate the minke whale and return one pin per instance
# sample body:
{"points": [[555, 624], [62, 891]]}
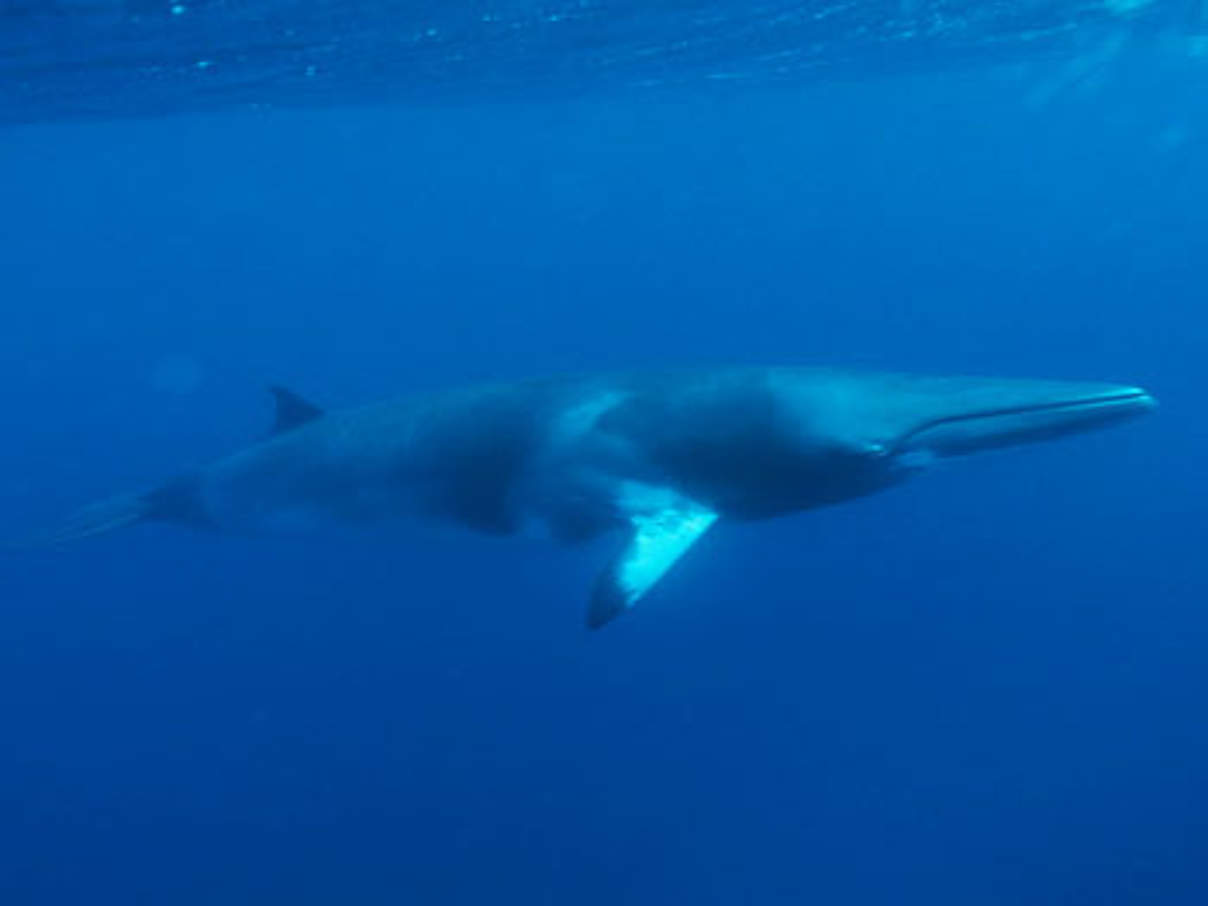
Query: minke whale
{"points": [[660, 457]]}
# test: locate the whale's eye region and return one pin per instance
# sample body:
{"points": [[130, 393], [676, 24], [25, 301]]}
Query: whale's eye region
{"points": [[897, 459], [916, 460]]}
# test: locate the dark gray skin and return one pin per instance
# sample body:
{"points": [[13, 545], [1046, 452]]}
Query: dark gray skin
{"points": [[663, 454]]}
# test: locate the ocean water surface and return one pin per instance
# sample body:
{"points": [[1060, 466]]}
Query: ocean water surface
{"points": [[985, 686]]}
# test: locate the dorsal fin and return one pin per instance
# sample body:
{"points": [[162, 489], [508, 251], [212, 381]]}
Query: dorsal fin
{"points": [[292, 410]]}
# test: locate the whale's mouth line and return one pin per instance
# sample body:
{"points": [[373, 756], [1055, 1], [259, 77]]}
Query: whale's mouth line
{"points": [[1124, 402]]}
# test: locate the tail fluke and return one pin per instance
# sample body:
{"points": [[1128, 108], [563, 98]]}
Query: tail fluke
{"points": [[178, 501], [103, 516]]}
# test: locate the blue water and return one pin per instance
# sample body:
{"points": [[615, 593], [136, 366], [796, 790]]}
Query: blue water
{"points": [[986, 687], [99, 58]]}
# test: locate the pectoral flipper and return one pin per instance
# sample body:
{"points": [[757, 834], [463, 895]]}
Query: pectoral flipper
{"points": [[659, 538]]}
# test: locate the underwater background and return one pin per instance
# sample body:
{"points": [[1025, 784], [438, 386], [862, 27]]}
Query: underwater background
{"points": [[986, 686]]}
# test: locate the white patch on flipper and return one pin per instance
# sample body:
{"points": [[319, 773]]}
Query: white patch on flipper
{"points": [[659, 540], [665, 525]]}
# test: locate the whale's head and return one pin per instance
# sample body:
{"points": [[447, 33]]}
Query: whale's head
{"points": [[909, 418]]}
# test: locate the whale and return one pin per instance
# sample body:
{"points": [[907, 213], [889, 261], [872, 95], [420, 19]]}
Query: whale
{"points": [[657, 458]]}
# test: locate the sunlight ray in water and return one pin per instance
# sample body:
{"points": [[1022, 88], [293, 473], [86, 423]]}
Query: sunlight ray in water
{"points": [[78, 58]]}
